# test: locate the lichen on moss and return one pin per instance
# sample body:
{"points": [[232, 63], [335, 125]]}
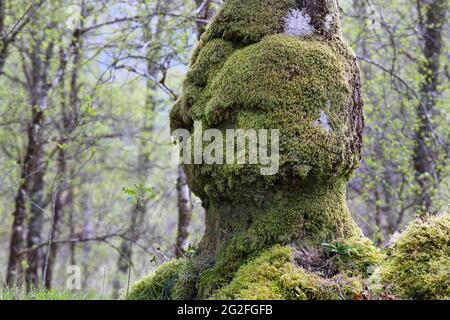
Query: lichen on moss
{"points": [[418, 262]]}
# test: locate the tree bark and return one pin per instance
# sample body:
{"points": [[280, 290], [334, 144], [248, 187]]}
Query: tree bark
{"points": [[39, 101], [432, 17], [280, 45], [184, 213]]}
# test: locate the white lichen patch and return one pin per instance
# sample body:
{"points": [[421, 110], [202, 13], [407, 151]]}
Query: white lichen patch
{"points": [[327, 23], [298, 23], [323, 122]]}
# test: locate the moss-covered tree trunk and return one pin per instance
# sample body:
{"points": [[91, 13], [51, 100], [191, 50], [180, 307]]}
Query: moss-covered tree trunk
{"points": [[273, 64]]}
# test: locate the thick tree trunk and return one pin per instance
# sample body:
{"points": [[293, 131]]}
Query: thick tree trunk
{"points": [[432, 17], [282, 66]]}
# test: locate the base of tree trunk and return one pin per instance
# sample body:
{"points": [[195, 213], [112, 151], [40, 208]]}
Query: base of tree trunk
{"points": [[414, 266]]}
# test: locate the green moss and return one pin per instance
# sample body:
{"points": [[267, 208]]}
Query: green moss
{"points": [[361, 259], [306, 218], [172, 281], [274, 275], [210, 60], [418, 263], [281, 82], [249, 21]]}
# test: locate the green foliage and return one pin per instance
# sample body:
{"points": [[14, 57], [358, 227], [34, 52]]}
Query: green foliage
{"points": [[139, 192], [418, 262], [337, 248], [356, 256]]}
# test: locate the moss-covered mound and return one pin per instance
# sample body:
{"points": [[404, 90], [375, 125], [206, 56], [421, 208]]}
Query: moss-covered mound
{"points": [[416, 266], [164, 284], [274, 275], [280, 272], [418, 263]]}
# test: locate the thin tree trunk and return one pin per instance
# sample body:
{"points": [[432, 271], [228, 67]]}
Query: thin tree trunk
{"points": [[68, 120], [184, 213], [432, 17], [204, 14], [72, 246], [35, 226], [88, 232], [40, 91]]}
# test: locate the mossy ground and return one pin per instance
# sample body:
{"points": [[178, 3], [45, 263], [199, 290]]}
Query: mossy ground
{"points": [[418, 263], [274, 275]]}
